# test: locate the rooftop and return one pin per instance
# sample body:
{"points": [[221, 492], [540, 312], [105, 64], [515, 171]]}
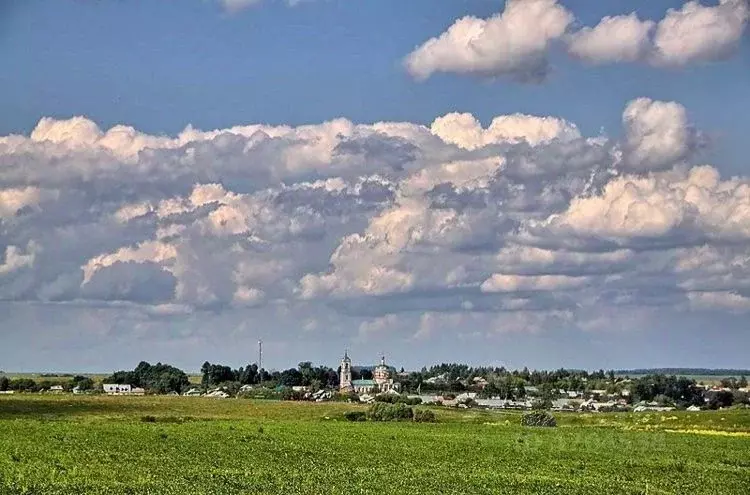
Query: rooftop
{"points": [[363, 383]]}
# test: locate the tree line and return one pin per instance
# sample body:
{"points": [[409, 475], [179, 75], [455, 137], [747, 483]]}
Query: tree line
{"points": [[30, 385]]}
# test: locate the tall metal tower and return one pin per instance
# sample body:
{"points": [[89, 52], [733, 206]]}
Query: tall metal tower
{"points": [[260, 361]]}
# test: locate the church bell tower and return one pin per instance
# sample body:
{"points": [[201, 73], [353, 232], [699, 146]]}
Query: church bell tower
{"points": [[345, 380]]}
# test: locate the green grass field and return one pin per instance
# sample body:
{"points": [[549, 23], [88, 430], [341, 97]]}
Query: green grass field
{"points": [[67, 445]]}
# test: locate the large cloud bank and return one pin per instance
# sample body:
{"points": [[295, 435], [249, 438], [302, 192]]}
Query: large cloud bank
{"points": [[525, 220], [504, 45]]}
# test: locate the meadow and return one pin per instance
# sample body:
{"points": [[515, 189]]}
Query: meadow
{"points": [[164, 445]]}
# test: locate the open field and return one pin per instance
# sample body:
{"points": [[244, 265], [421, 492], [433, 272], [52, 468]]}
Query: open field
{"points": [[68, 444]]}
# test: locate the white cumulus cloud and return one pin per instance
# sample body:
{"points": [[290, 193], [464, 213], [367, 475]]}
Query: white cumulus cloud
{"points": [[502, 45], [623, 38], [524, 223]]}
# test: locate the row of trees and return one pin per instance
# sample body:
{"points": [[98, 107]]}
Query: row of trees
{"points": [[305, 374], [31, 385], [215, 374], [680, 390], [503, 382], [684, 392]]}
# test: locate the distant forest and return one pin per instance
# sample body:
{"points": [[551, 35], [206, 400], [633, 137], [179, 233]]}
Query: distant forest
{"points": [[684, 372]]}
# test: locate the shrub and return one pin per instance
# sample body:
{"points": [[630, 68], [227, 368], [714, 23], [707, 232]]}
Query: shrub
{"points": [[424, 416], [148, 419], [288, 394], [355, 416], [398, 399], [541, 405], [345, 397], [381, 411], [538, 418], [386, 398]]}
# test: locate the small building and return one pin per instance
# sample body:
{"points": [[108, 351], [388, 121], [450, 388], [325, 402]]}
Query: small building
{"points": [[116, 388], [480, 382], [438, 380], [56, 389]]}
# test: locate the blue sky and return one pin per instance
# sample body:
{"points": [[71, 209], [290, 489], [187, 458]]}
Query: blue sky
{"points": [[144, 285]]}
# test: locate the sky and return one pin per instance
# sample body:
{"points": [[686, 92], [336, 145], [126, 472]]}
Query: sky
{"points": [[540, 183]]}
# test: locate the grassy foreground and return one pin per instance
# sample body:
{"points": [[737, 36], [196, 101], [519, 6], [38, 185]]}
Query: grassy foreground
{"points": [[66, 445]]}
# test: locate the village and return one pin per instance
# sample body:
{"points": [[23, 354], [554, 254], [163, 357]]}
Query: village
{"points": [[457, 386]]}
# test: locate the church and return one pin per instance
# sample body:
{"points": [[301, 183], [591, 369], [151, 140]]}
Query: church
{"points": [[381, 382]]}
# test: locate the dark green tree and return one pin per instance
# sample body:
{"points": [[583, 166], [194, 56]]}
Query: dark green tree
{"points": [[290, 378]]}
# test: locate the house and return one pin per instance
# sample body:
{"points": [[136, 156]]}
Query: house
{"points": [[381, 382], [56, 389], [122, 389], [497, 403], [562, 405], [116, 389], [480, 382], [651, 407], [437, 380], [598, 393], [194, 392], [321, 395]]}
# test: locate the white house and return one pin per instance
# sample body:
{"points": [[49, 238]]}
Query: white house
{"points": [[57, 389], [116, 389], [217, 394]]}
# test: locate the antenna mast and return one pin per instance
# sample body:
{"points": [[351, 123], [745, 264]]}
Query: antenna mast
{"points": [[260, 361]]}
